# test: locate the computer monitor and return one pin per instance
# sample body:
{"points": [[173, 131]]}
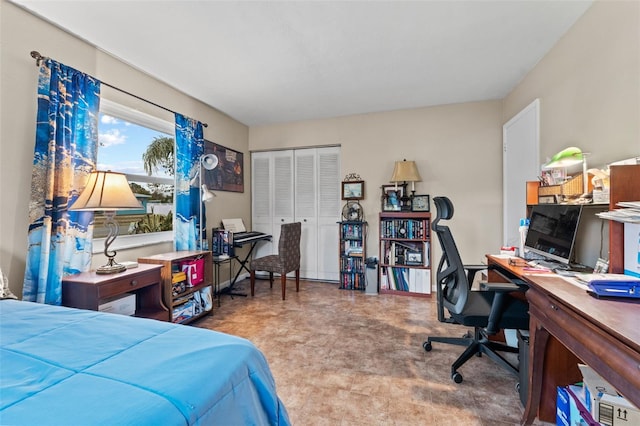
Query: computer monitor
{"points": [[552, 231]]}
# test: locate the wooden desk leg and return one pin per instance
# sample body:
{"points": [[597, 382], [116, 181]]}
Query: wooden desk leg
{"points": [[539, 337]]}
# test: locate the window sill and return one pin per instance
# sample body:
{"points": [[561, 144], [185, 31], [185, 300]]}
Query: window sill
{"points": [[124, 242]]}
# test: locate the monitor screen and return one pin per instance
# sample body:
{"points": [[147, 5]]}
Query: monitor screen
{"points": [[552, 231]]}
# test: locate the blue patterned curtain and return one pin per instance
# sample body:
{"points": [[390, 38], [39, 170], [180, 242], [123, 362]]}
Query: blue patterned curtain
{"points": [[65, 153], [189, 148]]}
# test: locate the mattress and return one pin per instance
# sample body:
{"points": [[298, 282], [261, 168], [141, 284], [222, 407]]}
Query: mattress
{"points": [[64, 366]]}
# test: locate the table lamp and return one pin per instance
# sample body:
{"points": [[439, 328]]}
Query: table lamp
{"points": [[406, 171], [569, 157], [208, 162], [109, 192]]}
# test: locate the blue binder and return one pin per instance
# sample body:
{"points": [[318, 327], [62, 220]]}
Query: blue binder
{"points": [[611, 285]]}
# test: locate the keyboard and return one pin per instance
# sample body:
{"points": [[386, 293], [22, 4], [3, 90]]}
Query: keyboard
{"points": [[548, 264]]}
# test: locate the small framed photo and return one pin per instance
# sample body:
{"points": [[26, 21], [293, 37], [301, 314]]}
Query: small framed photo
{"points": [[414, 258], [392, 198], [420, 203], [353, 190], [547, 199]]}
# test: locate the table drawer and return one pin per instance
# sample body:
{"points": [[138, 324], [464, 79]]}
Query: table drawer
{"points": [[128, 284]]}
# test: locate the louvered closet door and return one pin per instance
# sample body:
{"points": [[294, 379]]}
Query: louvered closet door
{"points": [[305, 208], [329, 210], [271, 195], [300, 185], [282, 192], [261, 206]]}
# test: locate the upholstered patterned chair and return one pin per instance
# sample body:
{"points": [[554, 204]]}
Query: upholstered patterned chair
{"points": [[287, 260]]}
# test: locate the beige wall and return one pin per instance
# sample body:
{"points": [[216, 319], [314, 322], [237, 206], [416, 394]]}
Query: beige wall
{"points": [[589, 89], [589, 86], [21, 33], [457, 149]]}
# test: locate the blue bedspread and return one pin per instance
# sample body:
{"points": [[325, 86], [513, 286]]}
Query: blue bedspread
{"points": [[62, 366]]}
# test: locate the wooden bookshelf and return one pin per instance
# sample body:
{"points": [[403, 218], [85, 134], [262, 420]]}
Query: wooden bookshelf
{"points": [[405, 253]]}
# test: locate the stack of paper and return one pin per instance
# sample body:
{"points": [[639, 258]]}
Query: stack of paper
{"points": [[629, 212]]}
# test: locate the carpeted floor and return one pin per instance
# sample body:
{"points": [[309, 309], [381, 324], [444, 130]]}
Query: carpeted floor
{"points": [[346, 358]]}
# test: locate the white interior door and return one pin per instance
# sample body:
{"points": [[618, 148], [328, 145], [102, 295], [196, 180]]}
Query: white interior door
{"points": [[520, 163]]}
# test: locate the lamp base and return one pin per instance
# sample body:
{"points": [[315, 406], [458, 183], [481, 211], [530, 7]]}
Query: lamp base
{"points": [[111, 268], [407, 202]]}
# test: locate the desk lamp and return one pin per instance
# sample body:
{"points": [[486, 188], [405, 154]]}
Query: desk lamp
{"points": [[109, 192], [208, 162], [569, 157], [406, 171]]}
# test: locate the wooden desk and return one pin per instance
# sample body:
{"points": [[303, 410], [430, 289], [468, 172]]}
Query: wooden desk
{"points": [[567, 326]]}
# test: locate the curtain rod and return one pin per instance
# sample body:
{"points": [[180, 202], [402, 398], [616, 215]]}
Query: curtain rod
{"points": [[39, 58]]}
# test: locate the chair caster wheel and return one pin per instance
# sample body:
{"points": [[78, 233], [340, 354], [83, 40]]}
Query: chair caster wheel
{"points": [[467, 335], [457, 377], [518, 387], [427, 346]]}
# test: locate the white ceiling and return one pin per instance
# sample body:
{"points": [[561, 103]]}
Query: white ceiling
{"points": [[277, 61]]}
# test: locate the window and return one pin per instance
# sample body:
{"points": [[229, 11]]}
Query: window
{"points": [[124, 137]]}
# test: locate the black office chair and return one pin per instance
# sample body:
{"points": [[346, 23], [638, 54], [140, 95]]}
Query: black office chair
{"points": [[487, 311]]}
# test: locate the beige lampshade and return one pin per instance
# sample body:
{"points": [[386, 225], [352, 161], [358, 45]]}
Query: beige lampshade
{"points": [[405, 171], [106, 191]]}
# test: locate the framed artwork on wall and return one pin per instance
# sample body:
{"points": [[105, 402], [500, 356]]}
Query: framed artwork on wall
{"points": [[391, 198], [229, 174], [353, 190]]}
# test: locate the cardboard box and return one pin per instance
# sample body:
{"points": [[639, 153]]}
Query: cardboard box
{"points": [[616, 411], [605, 403], [594, 386], [124, 305], [632, 249], [570, 407], [563, 411]]}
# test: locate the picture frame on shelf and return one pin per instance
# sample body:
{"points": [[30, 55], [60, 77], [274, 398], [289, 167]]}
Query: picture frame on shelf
{"points": [[548, 199], [420, 203], [353, 190], [392, 198], [414, 258]]}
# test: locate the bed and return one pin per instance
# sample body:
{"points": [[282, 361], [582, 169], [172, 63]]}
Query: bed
{"points": [[64, 366]]}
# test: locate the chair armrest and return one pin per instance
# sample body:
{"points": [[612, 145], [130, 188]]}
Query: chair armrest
{"points": [[472, 270], [503, 287], [501, 291], [475, 267]]}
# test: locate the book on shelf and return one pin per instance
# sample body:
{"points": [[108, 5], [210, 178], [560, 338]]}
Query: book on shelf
{"points": [[222, 243]]}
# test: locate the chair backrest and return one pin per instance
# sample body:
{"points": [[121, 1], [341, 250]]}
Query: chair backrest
{"points": [[453, 287], [289, 246]]}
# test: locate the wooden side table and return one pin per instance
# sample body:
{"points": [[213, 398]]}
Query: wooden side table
{"points": [[170, 263], [88, 290]]}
